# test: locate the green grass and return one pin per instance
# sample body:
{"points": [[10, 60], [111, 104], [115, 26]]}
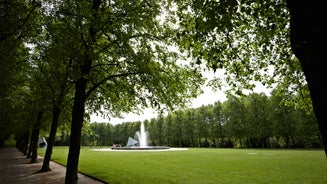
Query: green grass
{"points": [[202, 166]]}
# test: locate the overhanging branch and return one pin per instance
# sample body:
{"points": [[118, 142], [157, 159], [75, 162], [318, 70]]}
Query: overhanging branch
{"points": [[95, 86]]}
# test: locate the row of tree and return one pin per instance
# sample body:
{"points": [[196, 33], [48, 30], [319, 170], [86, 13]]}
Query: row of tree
{"points": [[253, 121], [62, 60]]}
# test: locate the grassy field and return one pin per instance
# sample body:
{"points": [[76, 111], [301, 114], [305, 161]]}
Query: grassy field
{"points": [[202, 166]]}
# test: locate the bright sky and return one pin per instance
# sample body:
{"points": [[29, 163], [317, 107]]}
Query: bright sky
{"points": [[208, 97]]}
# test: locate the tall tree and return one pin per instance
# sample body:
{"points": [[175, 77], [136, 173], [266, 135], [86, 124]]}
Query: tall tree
{"points": [[122, 60], [40, 102], [218, 122], [203, 117], [17, 26], [190, 118], [255, 41], [160, 124], [168, 129], [53, 49], [178, 128], [235, 113], [282, 120], [259, 128]]}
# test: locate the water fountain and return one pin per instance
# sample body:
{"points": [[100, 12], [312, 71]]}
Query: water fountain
{"points": [[142, 136], [140, 142]]}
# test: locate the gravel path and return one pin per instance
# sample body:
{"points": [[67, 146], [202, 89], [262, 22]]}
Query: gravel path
{"points": [[16, 169]]}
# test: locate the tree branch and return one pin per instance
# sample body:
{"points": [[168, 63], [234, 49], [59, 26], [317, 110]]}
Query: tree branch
{"points": [[109, 64], [95, 86]]}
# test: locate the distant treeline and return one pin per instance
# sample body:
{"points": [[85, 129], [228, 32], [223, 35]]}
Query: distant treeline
{"points": [[253, 121]]}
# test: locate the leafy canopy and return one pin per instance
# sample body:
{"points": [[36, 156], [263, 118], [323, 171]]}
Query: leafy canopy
{"points": [[125, 51], [249, 40]]}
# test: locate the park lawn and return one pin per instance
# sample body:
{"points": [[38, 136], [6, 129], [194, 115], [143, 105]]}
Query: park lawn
{"points": [[202, 166]]}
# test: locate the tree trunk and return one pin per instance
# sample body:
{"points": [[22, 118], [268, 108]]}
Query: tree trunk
{"points": [[79, 103], [25, 142], [29, 148], [308, 41], [52, 136], [35, 137], [214, 142], [76, 131], [206, 142], [287, 141], [2, 142]]}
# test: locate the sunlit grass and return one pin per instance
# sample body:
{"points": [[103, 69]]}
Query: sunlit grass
{"points": [[202, 166]]}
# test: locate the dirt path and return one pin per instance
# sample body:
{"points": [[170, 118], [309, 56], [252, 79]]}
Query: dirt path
{"points": [[16, 169]]}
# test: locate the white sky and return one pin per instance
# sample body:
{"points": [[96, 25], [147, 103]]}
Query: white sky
{"points": [[208, 97]]}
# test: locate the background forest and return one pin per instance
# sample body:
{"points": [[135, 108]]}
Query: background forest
{"points": [[253, 121]]}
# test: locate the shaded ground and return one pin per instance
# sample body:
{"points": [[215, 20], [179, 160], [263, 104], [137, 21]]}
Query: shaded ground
{"points": [[16, 169]]}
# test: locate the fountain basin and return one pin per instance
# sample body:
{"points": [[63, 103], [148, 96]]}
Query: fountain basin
{"points": [[141, 148]]}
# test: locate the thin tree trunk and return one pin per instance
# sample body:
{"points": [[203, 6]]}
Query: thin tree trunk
{"points": [[287, 141], [52, 136], [35, 137], [2, 142], [26, 140], [29, 148]]}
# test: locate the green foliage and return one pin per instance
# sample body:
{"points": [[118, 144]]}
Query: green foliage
{"points": [[123, 51], [203, 166], [255, 120], [130, 50], [125, 55], [248, 39], [18, 25]]}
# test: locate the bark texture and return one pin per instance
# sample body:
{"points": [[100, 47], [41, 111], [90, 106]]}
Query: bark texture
{"points": [[76, 130], [308, 41], [52, 136], [79, 101], [35, 137]]}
